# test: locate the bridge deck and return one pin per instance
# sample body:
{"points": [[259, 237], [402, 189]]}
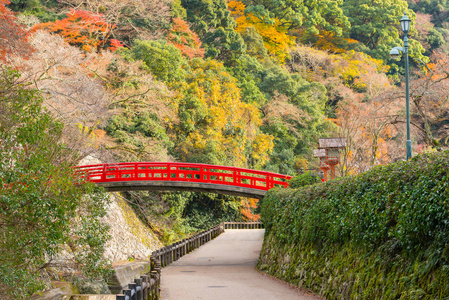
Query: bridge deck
{"points": [[117, 186], [224, 269]]}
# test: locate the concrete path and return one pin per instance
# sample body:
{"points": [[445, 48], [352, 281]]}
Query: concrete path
{"points": [[224, 269]]}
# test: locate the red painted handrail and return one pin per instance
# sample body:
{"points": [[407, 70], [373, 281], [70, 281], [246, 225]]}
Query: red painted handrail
{"points": [[185, 172]]}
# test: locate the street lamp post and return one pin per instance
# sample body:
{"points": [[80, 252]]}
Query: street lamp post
{"points": [[394, 53]]}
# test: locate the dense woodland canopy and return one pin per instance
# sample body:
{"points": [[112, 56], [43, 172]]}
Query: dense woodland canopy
{"points": [[250, 83]]}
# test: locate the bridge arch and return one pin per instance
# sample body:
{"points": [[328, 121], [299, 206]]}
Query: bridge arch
{"points": [[169, 176]]}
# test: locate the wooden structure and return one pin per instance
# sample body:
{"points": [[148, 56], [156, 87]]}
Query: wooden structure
{"points": [[168, 176], [329, 154]]}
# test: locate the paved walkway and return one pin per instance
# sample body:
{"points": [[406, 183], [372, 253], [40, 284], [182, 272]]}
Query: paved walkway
{"points": [[224, 269]]}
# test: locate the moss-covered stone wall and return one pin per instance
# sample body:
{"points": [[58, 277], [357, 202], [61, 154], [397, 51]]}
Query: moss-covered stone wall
{"points": [[380, 235]]}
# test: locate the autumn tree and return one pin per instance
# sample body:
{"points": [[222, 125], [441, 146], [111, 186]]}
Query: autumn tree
{"points": [[428, 94], [369, 129], [13, 36], [69, 90], [281, 119], [135, 19], [184, 39], [275, 37], [84, 29], [248, 209], [140, 110], [264, 82], [215, 125], [362, 102]]}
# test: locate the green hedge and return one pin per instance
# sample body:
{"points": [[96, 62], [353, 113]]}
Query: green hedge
{"points": [[396, 216], [305, 179]]}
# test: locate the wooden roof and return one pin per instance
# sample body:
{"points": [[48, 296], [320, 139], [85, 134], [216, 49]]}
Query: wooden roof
{"points": [[331, 143]]}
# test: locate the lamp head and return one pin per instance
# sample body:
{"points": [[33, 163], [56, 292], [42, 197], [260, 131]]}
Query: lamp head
{"points": [[405, 23], [394, 53]]}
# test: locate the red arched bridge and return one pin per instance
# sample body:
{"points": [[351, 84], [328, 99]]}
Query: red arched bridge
{"points": [[183, 177]]}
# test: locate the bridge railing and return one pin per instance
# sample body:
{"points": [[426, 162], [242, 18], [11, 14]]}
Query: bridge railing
{"points": [[185, 172]]}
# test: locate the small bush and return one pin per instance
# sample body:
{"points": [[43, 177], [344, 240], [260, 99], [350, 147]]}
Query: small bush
{"points": [[305, 179]]}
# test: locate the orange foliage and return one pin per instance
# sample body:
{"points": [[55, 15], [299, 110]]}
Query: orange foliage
{"points": [[84, 29], [275, 37], [13, 37], [327, 41], [115, 44], [185, 39], [248, 205]]}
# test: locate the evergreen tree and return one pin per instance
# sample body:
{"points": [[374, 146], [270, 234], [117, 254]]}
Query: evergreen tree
{"points": [[375, 24], [212, 20]]}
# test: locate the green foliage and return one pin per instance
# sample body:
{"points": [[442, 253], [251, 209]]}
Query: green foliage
{"points": [[22, 5], [254, 43], [213, 22], [177, 11], [395, 215], [436, 37], [188, 213], [247, 70], [305, 179], [306, 16], [376, 26], [203, 211], [42, 9], [163, 60], [439, 9], [143, 122], [295, 132], [42, 203]]}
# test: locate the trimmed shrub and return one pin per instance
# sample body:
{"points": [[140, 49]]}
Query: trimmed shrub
{"points": [[396, 216], [305, 179]]}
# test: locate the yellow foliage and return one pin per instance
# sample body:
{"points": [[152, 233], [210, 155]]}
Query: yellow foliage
{"points": [[275, 37], [357, 70], [327, 41], [262, 148], [93, 134], [226, 123]]}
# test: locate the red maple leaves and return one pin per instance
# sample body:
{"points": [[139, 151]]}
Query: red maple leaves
{"points": [[84, 29], [13, 36], [185, 39]]}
